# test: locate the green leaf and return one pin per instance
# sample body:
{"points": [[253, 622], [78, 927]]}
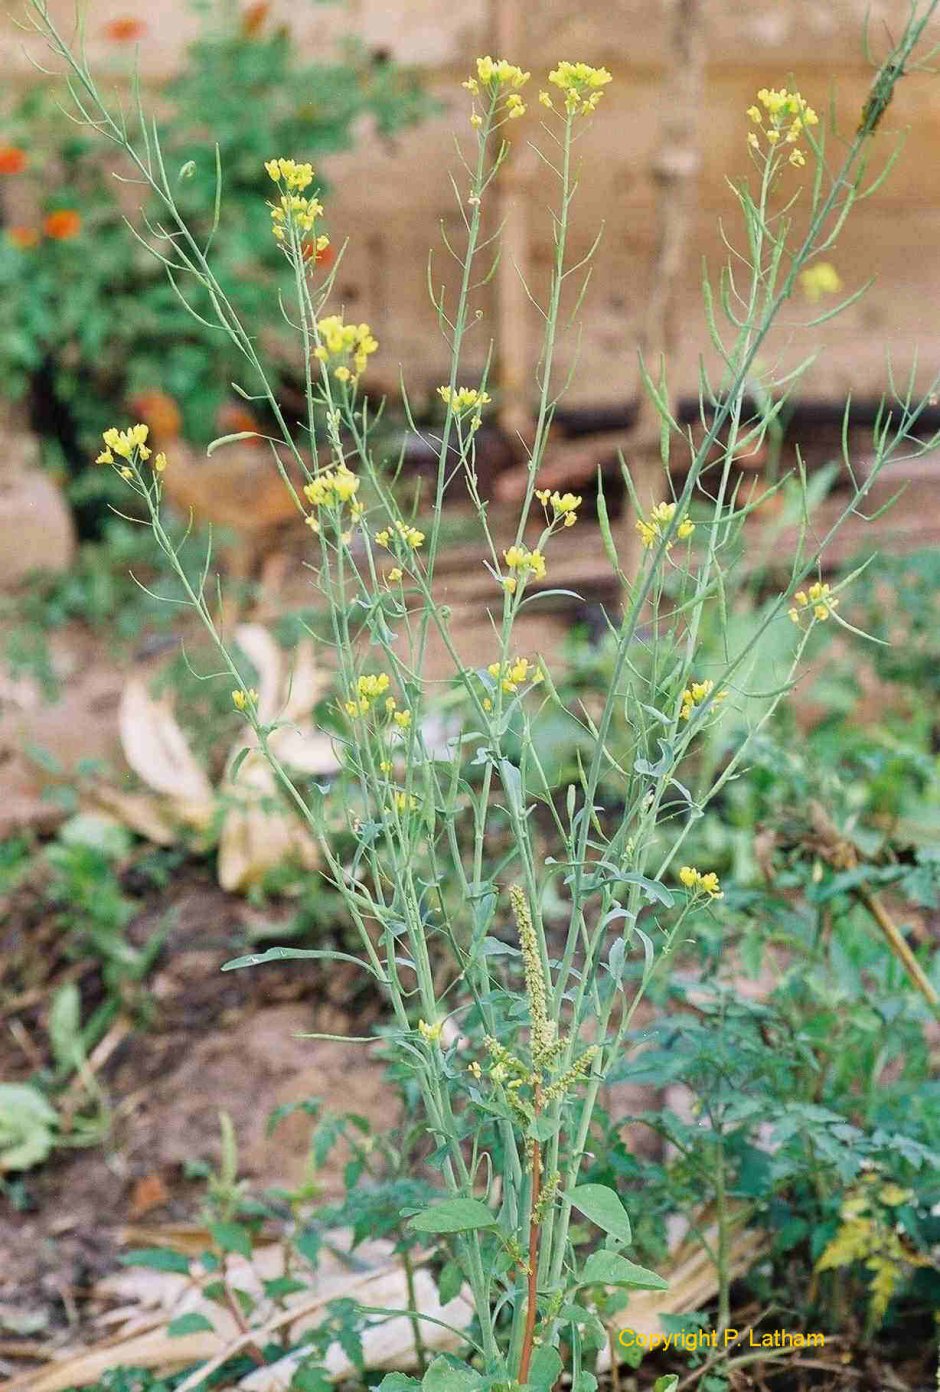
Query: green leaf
{"points": [[602, 1206], [312, 1377], [668, 1383], [231, 1237], [27, 1127], [397, 1382], [449, 1282], [542, 1128], [291, 954], [157, 1259], [545, 1368], [65, 1027], [584, 1382], [454, 1215], [447, 1375], [610, 1269], [192, 1323]]}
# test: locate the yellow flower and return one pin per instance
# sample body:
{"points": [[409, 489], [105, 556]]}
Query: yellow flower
{"points": [[409, 535], [402, 719], [463, 399], [581, 85], [659, 520], [818, 602], [820, 279], [696, 694], [369, 687], [430, 1033], [125, 443], [474, 1069], [545, 100], [701, 884], [342, 344], [513, 674], [494, 73], [404, 802], [525, 562], [243, 699], [301, 213], [332, 487], [788, 114], [159, 463], [394, 575], [295, 176], [562, 505], [797, 158]]}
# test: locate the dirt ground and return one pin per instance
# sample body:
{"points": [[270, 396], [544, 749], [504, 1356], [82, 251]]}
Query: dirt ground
{"points": [[212, 1041]]}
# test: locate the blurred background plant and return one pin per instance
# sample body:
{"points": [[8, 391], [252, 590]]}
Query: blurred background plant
{"points": [[88, 318]]}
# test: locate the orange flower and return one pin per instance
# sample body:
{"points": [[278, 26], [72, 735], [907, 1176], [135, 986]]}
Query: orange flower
{"points": [[12, 159], [22, 237], [160, 412], [324, 258], [62, 225], [254, 17], [125, 30]]}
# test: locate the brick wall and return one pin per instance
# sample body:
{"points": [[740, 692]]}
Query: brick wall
{"points": [[390, 197]]}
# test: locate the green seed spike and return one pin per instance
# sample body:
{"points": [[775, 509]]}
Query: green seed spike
{"points": [[543, 1035]]}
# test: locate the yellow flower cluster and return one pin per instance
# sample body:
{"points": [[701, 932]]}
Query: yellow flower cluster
{"points": [[821, 279], [342, 343], [293, 207], [405, 802], [513, 674], [293, 176], [409, 535], [524, 562], [339, 485], [241, 700], [561, 505], [701, 884], [463, 400], [499, 80], [430, 1033], [787, 115], [817, 603], [659, 519], [581, 84], [695, 694], [369, 687], [127, 443], [332, 488]]}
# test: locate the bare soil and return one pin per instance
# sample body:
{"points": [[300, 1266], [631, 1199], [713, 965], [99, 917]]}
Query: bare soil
{"points": [[206, 1042]]}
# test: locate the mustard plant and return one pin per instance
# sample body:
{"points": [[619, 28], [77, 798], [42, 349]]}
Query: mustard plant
{"points": [[459, 846]]}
